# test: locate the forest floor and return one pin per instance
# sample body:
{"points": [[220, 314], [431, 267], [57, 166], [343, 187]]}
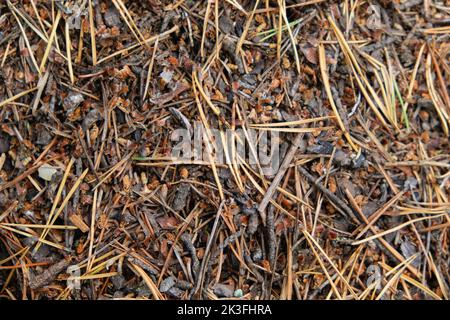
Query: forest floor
{"points": [[267, 149]]}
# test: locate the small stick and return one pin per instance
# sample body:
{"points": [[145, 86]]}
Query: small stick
{"points": [[331, 196], [212, 237], [276, 181], [49, 274], [20, 177]]}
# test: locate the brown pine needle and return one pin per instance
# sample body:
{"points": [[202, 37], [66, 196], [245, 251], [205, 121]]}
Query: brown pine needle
{"points": [[439, 30], [150, 40], [298, 130], [437, 101], [415, 283], [92, 32], [38, 16], [92, 230], [129, 21], [5, 55], [209, 141], [39, 226], [96, 276], [290, 123], [364, 85], [312, 240], [149, 282], [204, 95], [50, 42], [150, 69], [61, 208], [33, 236], [236, 4], [375, 216], [443, 286], [282, 5], [402, 266], [397, 228], [205, 26], [246, 28], [80, 44], [326, 83], [322, 265], [17, 96], [69, 55], [27, 42], [148, 146]]}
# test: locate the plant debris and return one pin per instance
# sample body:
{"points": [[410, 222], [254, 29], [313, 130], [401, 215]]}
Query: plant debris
{"points": [[224, 149]]}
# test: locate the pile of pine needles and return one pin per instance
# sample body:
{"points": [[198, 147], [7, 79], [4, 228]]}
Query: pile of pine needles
{"points": [[94, 206]]}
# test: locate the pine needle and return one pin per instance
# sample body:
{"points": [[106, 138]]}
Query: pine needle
{"points": [[326, 83], [92, 32], [397, 228], [17, 96], [150, 69], [246, 28], [282, 5], [69, 55], [50, 42]]}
